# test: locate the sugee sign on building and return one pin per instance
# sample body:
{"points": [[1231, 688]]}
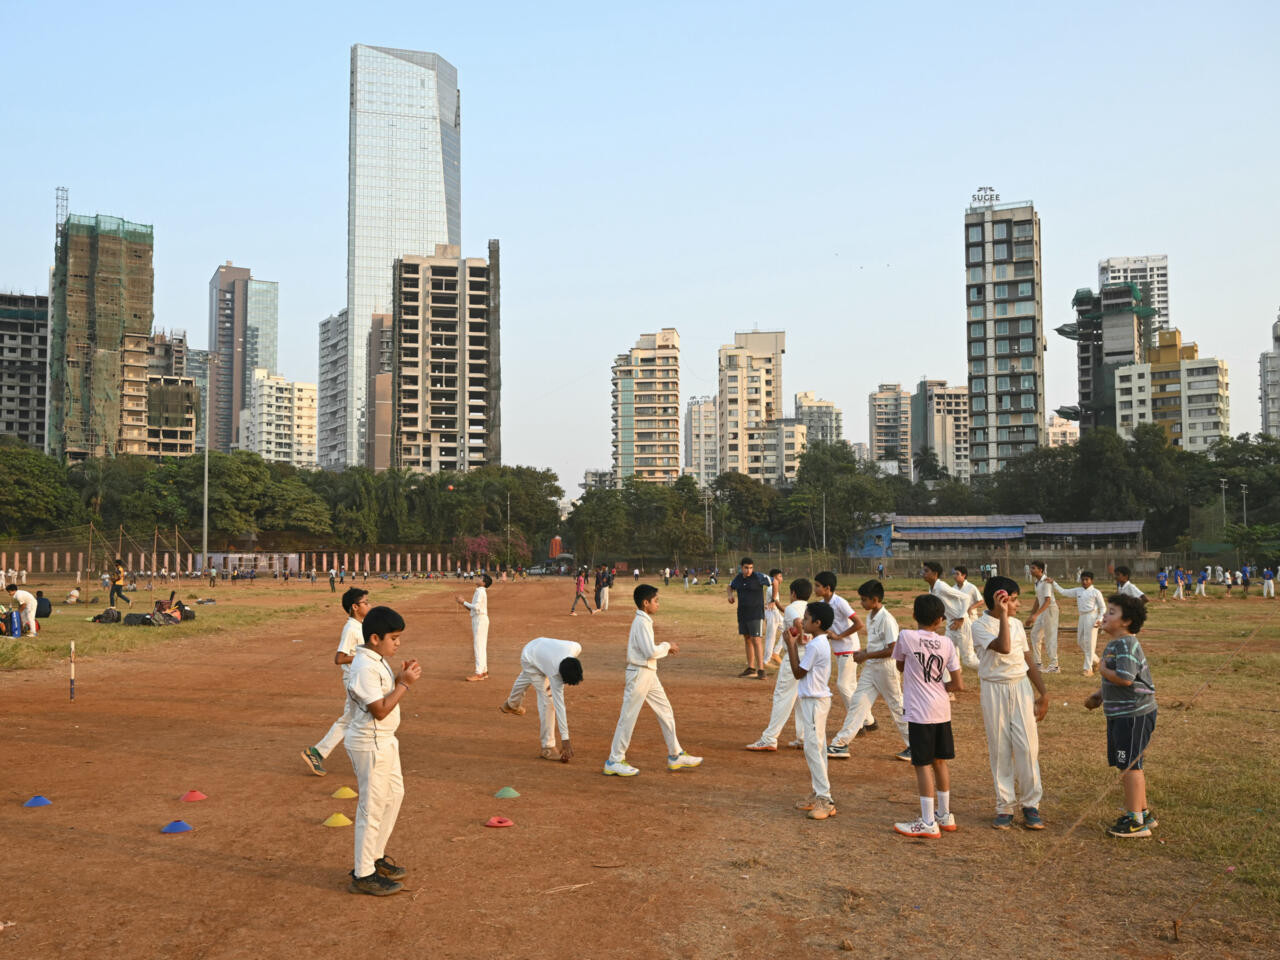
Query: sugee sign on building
{"points": [[986, 195]]}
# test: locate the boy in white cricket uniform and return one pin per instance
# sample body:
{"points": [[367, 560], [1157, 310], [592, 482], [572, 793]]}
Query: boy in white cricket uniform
{"points": [[1010, 709], [374, 750], [27, 604], [643, 686], [479, 607], [1089, 610], [966, 586], [773, 645], [814, 671], [550, 664], [957, 607], [844, 644], [785, 688], [1125, 587], [1044, 621], [879, 677], [356, 602]]}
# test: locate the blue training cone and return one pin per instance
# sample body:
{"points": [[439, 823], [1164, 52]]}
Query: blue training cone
{"points": [[38, 801], [177, 826]]}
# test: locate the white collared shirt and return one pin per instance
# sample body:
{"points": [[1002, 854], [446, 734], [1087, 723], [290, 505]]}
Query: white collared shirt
{"points": [[352, 637], [641, 650], [479, 605], [1000, 667], [882, 630], [1088, 599], [371, 678]]}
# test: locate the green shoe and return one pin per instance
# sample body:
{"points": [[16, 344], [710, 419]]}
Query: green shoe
{"points": [[315, 763]]}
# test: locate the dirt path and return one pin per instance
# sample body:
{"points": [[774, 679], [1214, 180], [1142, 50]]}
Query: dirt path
{"points": [[710, 863]]}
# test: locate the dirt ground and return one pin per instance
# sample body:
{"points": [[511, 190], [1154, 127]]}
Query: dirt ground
{"points": [[708, 863]]}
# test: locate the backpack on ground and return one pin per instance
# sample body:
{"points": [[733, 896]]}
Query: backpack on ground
{"points": [[138, 620], [109, 615]]}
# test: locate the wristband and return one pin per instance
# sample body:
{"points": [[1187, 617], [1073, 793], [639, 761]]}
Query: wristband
{"points": [[401, 683]]}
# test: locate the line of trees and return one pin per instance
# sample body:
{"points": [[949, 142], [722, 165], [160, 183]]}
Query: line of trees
{"points": [[253, 503]]}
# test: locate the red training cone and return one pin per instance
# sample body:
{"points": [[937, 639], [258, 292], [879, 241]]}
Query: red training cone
{"points": [[499, 822], [191, 796]]}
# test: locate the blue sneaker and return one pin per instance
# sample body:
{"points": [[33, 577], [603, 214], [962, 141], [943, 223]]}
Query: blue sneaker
{"points": [[1031, 819], [837, 753], [1003, 821]]}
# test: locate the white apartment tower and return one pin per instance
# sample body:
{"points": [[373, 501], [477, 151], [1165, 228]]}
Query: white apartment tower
{"points": [[940, 422], [1004, 322], [404, 197], [749, 395], [889, 424], [701, 440], [1269, 384], [823, 420], [646, 409], [1150, 274], [278, 422]]}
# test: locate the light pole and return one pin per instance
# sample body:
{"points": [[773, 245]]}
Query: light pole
{"points": [[208, 436], [824, 523], [1222, 481], [508, 531], [1244, 497]]}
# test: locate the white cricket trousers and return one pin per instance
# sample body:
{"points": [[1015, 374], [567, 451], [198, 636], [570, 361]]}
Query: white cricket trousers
{"points": [[812, 714], [1087, 638], [1200, 590], [1177, 593], [480, 643], [846, 683], [963, 639], [1013, 743], [604, 598], [879, 678], [785, 689], [643, 686], [338, 730], [381, 792], [773, 634], [530, 675], [1269, 588], [1044, 637]]}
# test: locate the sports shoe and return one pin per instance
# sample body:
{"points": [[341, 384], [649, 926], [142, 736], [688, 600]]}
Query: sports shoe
{"points": [[918, 828], [776, 660], [375, 884], [947, 823], [386, 867], [1149, 819], [871, 727], [1127, 827], [837, 753], [1052, 668], [904, 755], [795, 744], [682, 762], [514, 711], [1086, 673], [749, 672], [476, 677], [1031, 819], [315, 763], [550, 753], [759, 674], [1003, 821], [821, 809], [807, 803], [619, 769], [763, 746]]}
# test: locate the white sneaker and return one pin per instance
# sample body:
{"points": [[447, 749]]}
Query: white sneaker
{"points": [[795, 744], [683, 761], [947, 823], [918, 828], [619, 769]]}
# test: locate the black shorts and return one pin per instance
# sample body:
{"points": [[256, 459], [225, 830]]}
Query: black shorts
{"points": [[751, 626], [930, 742], [1127, 739]]}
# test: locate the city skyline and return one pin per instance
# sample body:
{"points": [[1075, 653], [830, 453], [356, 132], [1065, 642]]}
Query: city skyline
{"points": [[870, 224]]}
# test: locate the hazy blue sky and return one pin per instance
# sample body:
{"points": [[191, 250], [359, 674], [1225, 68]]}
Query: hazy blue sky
{"points": [[709, 166]]}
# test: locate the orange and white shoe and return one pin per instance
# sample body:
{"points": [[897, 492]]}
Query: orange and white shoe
{"points": [[947, 823], [918, 828], [476, 677]]}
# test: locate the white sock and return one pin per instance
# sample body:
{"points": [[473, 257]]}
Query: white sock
{"points": [[926, 809], [944, 803]]}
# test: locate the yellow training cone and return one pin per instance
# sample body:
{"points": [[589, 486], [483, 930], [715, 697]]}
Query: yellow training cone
{"points": [[337, 820], [344, 793]]}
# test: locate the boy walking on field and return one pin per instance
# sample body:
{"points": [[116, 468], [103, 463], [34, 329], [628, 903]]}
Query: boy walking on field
{"points": [[643, 686], [814, 672], [374, 750], [786, 686], [1128, 698], [924, 657], [356, 603]]}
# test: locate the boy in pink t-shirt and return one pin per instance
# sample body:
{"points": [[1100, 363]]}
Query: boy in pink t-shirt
{"points": [[924, 656]]}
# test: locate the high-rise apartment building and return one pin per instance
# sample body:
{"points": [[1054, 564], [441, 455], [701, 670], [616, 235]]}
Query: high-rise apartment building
{"points": [[243, 334], [646, 409], [1108, 333], [1061, 431], [749, 398], [783, 443], [701, 440], [378, 393], [1183, 392], [173, 403], [1269, 384], [1151, 274], [278, 422], [334, 390], [1005, 333], [889, 423], [597, 480], [446, 366], [198, 370], [404, 198], [102, 311], [861, 451], [823, 420], [940, 422], [24, 367]]}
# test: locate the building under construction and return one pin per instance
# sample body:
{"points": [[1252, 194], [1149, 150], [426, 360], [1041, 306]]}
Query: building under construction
{"points": [[102, 312]]}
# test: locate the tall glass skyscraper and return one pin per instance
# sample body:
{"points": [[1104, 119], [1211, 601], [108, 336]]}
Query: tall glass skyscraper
{"points": [[404, 196]]}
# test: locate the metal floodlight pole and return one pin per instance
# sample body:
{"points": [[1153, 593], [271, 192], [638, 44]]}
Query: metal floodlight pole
{"points": [[208, 436], [1222, 481], [1244, 496]]}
